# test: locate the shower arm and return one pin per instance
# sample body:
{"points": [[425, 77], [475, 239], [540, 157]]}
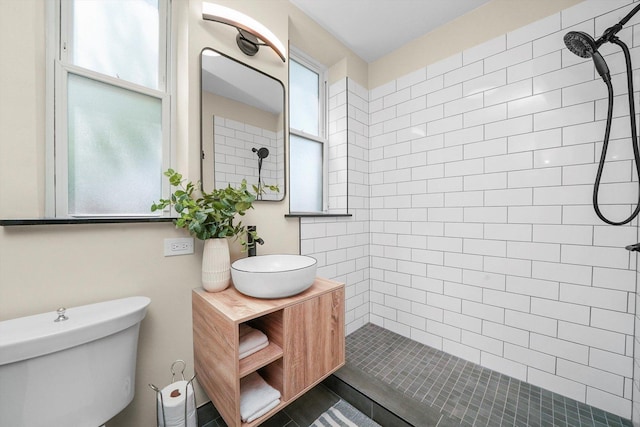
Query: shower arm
{"points": [[610, 32]]}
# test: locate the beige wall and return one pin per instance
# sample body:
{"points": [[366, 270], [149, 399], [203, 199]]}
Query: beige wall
{"points": [[310, 38], [484, 23], [44, 267], [216, 105], [22, 100]]}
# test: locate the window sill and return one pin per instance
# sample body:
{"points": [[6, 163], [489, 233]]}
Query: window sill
{"points": [[315, 215], [95, 220]]}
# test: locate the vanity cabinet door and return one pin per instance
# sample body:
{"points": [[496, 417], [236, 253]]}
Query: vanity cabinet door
{"points": [[314, 341]]}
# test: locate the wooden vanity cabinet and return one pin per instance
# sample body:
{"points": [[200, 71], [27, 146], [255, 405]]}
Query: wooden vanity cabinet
{"points": [[306, 343], [314, 342]]}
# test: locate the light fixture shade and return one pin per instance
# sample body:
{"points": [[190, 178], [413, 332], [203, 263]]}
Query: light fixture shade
{"points": [[225, 15]]}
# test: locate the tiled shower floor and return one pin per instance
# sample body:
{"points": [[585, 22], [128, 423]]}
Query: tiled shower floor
{"points": [[466, 392]]}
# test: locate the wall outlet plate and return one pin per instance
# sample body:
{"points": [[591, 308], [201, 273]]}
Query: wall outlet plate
{"points": [[179, 246]]}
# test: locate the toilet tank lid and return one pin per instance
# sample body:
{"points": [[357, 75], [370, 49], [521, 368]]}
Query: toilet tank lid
{"points": [[37, 335]]}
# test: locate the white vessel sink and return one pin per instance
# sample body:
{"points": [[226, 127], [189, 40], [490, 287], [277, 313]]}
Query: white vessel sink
{"points": [[273, 276]]}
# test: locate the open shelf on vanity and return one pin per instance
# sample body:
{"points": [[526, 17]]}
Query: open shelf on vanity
{"points": [[260, 359], [306, 343], [272, 373], [271, 325]]}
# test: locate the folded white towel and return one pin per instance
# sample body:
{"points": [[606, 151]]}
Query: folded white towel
{"points": [[251, 340], [253, 350], [263, 411], [256, 397]]}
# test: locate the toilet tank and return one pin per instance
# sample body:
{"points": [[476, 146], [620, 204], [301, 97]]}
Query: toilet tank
{"points": [[78, 372]]}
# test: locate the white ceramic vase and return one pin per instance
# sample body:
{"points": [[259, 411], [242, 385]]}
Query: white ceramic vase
{"points": [[216, 265]]}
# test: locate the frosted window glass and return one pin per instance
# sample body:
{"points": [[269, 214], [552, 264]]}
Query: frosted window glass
{"points": [[118, 38], [304, 98], [115, 149], [306, 175]]}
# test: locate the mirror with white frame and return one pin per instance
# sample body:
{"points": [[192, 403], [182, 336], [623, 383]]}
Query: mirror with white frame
{"points": [[242, 126]]}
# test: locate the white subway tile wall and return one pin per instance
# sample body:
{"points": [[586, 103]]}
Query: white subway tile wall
{"points": [[483, 241], [337, 136], [236, 161], [341, 244], [636, 352]]}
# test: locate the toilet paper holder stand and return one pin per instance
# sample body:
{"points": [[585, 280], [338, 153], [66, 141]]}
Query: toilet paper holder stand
{"points": [[160, 400]]}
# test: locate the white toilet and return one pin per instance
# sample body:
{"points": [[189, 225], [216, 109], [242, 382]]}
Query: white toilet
{"points": [[77, 371]]}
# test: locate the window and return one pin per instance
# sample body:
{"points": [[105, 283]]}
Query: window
{"points": [[111, 112], [307, 142]]}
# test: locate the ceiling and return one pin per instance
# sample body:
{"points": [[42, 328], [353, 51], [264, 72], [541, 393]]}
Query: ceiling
{"points": [[374, 28]]}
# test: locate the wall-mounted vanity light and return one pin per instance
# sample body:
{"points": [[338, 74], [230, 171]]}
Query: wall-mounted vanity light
{"points": [[251, 33]]}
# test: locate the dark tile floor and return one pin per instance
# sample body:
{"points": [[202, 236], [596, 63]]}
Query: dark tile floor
{"points": [[463, 392]]}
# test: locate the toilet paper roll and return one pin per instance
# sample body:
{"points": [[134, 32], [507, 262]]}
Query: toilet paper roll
{"points": [[174, 398]]}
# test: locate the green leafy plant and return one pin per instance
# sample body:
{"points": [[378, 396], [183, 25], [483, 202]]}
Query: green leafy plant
{"points": [[212, 214]]}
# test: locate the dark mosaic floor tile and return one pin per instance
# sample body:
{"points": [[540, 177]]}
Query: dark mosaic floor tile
{"points": [[462, 390]]}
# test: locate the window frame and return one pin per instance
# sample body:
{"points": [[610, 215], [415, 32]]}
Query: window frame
{"points": [[323, 104], [58, 67]]}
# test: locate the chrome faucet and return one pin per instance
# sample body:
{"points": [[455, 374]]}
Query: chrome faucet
{"points": [[251, 241]]}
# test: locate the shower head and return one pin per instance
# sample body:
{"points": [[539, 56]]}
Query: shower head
{"points": [[262, 153], [580, 43], [583, 45]]}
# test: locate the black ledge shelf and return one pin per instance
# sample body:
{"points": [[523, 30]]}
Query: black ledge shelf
{"points": [[65, 221], [315, 215]]}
